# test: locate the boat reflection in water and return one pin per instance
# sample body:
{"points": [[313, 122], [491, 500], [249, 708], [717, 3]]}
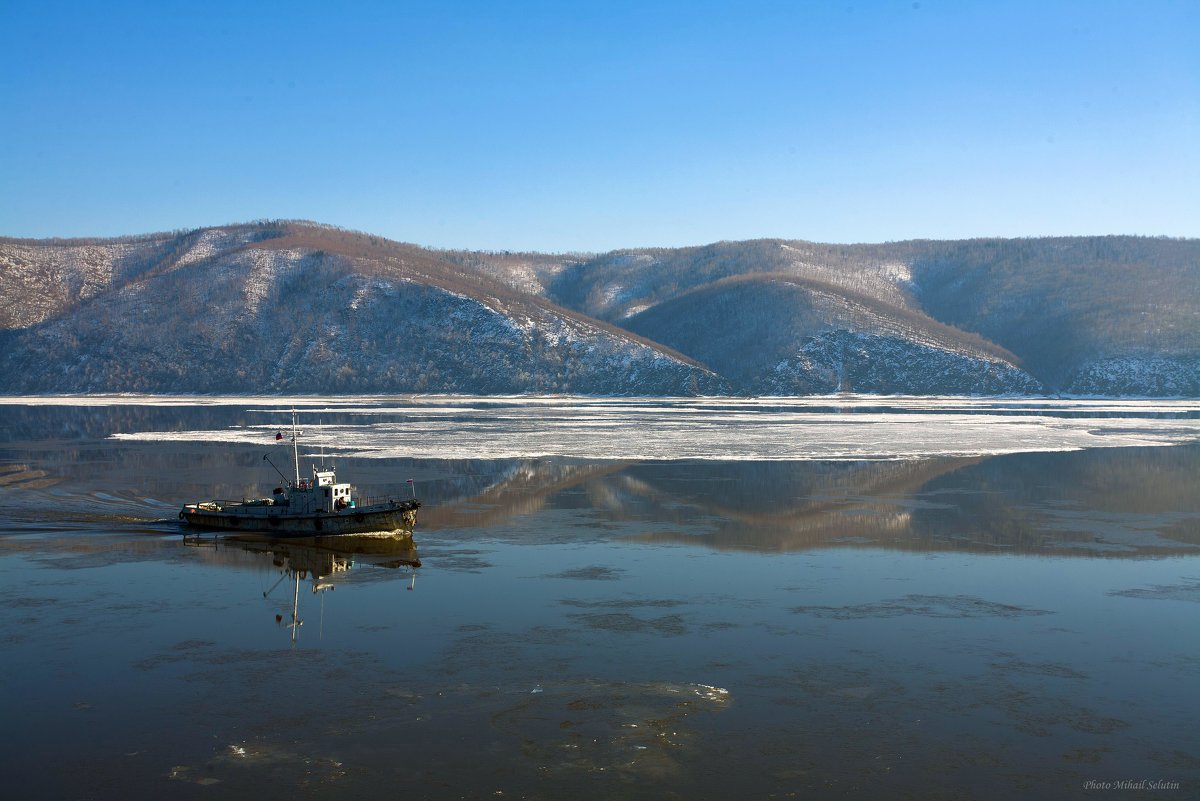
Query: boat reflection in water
{"points": [[324, 562]]}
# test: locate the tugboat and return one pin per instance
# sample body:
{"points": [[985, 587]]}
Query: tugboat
{"points": [[319, 506]]}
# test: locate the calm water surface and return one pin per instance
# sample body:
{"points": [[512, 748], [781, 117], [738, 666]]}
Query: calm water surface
{"points": [[871, 598]]}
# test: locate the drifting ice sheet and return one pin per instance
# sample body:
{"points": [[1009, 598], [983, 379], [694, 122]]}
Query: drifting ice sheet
{"points": [[772, 429]]}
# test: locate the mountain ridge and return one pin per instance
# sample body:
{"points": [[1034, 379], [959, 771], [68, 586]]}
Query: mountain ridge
{"points": [[278, 305]]}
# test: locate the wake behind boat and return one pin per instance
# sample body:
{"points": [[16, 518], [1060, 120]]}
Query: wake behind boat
{"points": [[316, 506]]}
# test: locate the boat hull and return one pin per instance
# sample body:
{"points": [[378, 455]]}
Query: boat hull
{"points": [[397, 516]]}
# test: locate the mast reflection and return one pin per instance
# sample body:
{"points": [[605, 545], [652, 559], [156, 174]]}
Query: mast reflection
{"points": [[324, 562]]}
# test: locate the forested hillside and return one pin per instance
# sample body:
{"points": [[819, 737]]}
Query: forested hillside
{"points": [[1089, 315], [304, 308], [1104, 315], [282, 306]]}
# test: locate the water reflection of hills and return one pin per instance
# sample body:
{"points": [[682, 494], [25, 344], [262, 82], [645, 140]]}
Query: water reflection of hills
{"points": [[1130, 501], [523, 487], [57, 423]]}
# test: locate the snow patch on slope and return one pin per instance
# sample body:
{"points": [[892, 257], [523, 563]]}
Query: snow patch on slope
{"points": [[213, 242], [840, 360], [1148, 376], [265, 268], [42, 280]]}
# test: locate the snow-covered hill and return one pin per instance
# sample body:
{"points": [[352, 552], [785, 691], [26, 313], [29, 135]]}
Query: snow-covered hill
{"points": [[302, 307], [298, 308], [1082, 314], [781, 335]]}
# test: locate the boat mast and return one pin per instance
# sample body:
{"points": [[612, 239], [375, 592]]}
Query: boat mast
{"points": [[295, 449]]}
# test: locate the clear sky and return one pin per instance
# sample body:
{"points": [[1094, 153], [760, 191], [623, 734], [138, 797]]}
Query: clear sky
{"points": [[597, 125]]}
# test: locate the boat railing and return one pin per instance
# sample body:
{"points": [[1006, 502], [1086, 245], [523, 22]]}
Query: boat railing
{"points": [[230, 505], [391, 500]]}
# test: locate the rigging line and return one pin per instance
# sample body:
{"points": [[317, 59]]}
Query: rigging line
{"points": [[267, 459]]}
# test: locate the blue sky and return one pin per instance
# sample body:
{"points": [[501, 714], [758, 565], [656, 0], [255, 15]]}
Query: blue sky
{"points": [[591, 126]]}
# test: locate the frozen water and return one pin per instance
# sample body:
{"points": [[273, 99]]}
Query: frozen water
{"points": [[726, 429]]}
